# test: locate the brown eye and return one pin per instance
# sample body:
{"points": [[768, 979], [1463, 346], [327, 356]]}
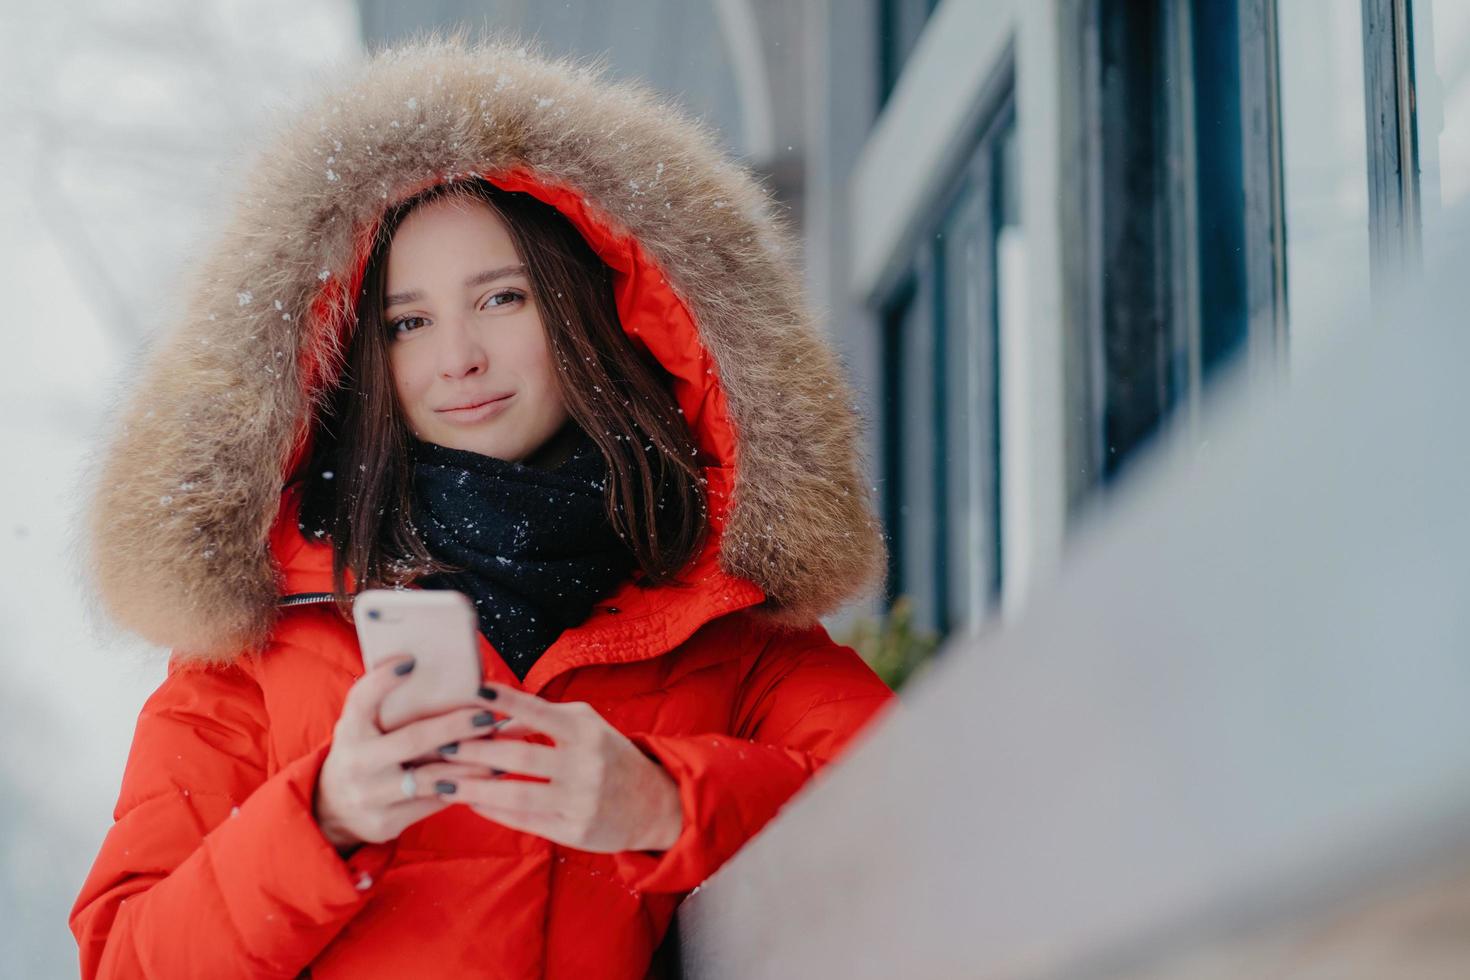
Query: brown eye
{"points": [[509, 295], [405, 324]]}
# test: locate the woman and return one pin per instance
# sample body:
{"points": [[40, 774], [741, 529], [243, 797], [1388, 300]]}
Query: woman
{"points": [[487, 322]]}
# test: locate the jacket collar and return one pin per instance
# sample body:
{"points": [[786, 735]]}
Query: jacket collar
{"points": [[631, 624]]}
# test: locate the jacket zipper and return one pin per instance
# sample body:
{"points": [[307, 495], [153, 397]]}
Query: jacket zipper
{"points": [[312, 598], [304, 598]]}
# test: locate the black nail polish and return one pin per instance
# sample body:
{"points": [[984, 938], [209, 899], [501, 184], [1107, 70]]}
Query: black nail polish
{"points": [[449, 749], [444, 787], [403, 668], [483, 718], [489, 693]]}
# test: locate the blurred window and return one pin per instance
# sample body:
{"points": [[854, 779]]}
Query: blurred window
{"points": [[1178, 270], [1375, 101], [1441, 32], [1325, 164], [900, 22], [941, 453]]}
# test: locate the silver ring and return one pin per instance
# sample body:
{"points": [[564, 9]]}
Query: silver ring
{"points": [[410, 787]]}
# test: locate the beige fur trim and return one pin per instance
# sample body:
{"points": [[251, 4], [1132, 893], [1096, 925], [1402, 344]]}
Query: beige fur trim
{"points": [[190, 484]]}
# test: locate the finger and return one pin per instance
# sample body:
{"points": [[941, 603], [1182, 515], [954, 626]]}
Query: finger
{"points": [[424, 737], [513, 755], [504, 729], [434, 779], [558, 719], [421, 783], [511, 794], [510, 727], [401, 815], [360, 708]]}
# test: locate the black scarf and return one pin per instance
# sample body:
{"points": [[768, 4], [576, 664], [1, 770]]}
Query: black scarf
{"points": [[535, 545]]}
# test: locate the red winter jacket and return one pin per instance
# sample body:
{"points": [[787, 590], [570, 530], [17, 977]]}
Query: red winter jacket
{"points": [[215, 866]]}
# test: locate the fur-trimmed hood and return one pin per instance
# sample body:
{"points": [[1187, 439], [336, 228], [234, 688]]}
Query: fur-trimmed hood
{"points": [[189, 489]]}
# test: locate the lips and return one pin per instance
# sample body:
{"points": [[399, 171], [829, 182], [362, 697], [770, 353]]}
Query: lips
{"points": [[476, 411], [477, 403]]}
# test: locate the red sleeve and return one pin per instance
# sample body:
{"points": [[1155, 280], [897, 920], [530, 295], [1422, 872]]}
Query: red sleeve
{"points": [[804, 699], [210, 868]]}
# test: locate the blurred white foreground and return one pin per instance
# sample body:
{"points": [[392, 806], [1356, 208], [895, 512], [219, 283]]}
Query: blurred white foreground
{"points": [[1232, 739]]}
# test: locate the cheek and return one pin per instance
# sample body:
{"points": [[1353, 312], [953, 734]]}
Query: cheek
{"points": [[533, 357], [408, 377], [541, 357]]}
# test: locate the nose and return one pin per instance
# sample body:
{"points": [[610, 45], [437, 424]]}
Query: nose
{"points": [[460, 352]]}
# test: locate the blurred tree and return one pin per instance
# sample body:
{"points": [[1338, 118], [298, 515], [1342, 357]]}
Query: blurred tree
{"points": [[892, 645]]}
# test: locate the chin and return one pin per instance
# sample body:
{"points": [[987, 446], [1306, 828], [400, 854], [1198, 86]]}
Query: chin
{"points": [[467, 442], [496, 448]]}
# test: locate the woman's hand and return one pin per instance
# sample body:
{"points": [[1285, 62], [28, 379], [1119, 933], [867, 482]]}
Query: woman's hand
{"points": [[360, 794], [603, 794]]}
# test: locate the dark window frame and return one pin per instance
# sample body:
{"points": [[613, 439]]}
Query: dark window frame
{"points": [[1395, 230], [985, 177], [1177, 266], [921, 280], [900, 24]]}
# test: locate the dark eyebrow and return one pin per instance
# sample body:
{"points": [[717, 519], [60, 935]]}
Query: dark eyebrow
{"points": [[478, 279]]}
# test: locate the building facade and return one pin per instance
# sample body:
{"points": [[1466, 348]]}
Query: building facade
{"points": [[1045, 229]]}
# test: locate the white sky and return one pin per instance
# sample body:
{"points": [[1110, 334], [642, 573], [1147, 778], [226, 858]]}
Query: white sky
{"points": [[119, 117]]}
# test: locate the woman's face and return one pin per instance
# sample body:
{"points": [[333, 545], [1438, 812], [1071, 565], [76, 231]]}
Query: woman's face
{"points": [[469, 357]]}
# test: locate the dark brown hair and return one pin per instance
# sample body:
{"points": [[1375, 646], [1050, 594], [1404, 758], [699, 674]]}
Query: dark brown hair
{"points": [[358, 478]]}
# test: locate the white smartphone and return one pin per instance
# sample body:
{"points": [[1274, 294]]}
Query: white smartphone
{"points": [[437, 627]]}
